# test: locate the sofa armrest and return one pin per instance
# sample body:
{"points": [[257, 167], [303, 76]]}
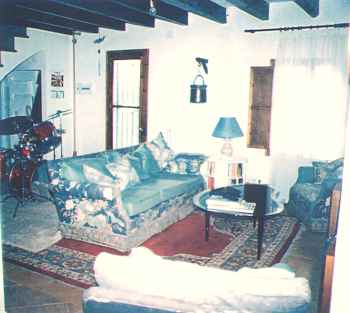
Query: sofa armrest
{"points": [[89, 204], [186, 163]]}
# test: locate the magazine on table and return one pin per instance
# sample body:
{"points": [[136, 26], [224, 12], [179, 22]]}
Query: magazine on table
{"points": [[219, 203]]}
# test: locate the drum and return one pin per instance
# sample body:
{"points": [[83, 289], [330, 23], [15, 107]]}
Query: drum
{"points": [[42, 138], [6, 161], [44, 130], [47, 145], [21, 177]]}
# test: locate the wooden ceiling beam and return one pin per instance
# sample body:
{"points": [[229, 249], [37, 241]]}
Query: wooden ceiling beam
{"points": [[204, 8], [311, 7], [50, 28], [73, 13], [14, 30], [51, 19], [257, 8], [164, 11], [110, 9], [25, 23]]}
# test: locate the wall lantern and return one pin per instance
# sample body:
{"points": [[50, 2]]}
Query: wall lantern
{"points": [[199, 88]]}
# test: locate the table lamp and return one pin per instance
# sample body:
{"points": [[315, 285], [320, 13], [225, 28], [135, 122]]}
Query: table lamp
{"points": [[227, 128]]}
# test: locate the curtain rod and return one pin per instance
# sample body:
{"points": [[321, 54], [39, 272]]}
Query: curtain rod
{"points": [[339, 25]]}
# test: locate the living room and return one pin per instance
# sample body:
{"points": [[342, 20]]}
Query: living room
{"points": [[187, 127]]}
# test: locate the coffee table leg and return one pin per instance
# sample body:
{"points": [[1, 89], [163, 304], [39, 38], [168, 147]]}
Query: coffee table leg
{"points": [[207, 217], [260, 234]]}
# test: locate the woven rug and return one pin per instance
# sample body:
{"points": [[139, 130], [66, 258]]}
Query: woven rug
{"points": [[232, 245]]}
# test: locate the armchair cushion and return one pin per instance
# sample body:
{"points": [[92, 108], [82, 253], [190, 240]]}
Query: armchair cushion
{"points": [[305, 174]]}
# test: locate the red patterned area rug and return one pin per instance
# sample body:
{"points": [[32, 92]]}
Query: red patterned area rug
{"points": [[232, 245]]}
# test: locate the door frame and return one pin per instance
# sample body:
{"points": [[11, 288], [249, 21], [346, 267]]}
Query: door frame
{"points": [[143, 56]]}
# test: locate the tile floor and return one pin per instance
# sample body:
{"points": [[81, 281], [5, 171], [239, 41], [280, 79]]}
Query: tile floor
{"points": [[29, 292]]}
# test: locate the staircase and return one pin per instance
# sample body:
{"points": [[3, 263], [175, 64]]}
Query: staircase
{"points": [[8, 33], [21, 96]]}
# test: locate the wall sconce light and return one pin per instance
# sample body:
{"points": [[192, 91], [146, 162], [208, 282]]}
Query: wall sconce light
{"points": [[198, 88]]}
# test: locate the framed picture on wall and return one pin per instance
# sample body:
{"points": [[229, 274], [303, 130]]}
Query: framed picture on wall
{"points": [[57, 79]]}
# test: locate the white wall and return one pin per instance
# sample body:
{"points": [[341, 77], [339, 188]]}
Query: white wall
{"points": [[173, 49], [231, 53]]}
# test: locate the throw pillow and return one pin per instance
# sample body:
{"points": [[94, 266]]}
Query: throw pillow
{"points": [[148, 163], [160, 150], [323, 169], [320, 171], [72, 170], [306, 174], [122, 169], [98, 177], [186, 163]]}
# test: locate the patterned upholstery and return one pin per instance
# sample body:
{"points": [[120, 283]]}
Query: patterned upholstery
{"points": [[100, 197], [309, 197]]}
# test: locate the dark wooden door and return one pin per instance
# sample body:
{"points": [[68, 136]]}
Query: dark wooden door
{"points": [[127, 94]]}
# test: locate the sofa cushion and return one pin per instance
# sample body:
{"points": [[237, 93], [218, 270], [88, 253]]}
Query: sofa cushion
{"points": [[154, 190], [172, 185], [140, 198]]}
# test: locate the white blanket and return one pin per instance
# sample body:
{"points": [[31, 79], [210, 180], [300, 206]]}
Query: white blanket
{"points": [[146, 273]]}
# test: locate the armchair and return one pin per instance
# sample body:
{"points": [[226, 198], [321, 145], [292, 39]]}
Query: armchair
{"points": [[309, 197]]}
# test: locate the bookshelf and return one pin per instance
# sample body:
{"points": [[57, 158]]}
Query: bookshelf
{"points": [[223, 171]]}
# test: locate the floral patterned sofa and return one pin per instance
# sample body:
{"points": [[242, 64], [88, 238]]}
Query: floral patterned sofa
{"points": [[120, 198], [309, 197]]}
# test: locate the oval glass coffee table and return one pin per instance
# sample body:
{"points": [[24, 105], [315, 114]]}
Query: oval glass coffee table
{"points": [[259, 194]]}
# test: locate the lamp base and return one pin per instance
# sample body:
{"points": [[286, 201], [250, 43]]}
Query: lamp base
{"points": [[226, 149]]}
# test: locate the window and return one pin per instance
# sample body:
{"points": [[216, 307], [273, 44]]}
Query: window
{"points": [[261, 80]]}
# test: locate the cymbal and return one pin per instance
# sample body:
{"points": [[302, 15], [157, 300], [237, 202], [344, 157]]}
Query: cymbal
{"points": [[59, 113], [15, 125]]}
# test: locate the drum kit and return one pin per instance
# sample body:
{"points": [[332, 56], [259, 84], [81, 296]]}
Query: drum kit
{"points": [[34, 141]]}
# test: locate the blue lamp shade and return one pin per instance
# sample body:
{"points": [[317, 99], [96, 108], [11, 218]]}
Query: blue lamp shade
{"points": [[227, 127]]}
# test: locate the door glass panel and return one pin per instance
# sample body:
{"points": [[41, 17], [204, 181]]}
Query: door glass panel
{"points": [[126, 102]]}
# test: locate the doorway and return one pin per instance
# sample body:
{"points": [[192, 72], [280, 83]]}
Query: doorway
{"points": [[127, 94]]}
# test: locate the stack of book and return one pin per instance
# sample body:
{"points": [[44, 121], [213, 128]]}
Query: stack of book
{"points": [[220, 204]]}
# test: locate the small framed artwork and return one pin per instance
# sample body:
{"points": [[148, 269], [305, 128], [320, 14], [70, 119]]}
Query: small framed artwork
{"points": [[57, 79]]}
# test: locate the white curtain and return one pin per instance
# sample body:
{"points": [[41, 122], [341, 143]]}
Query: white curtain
{"points": [[309, 102]]}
